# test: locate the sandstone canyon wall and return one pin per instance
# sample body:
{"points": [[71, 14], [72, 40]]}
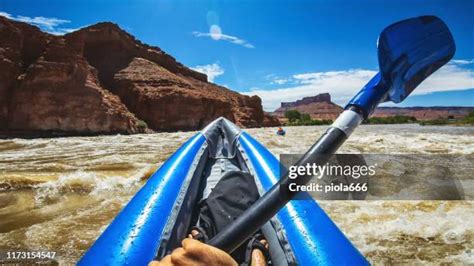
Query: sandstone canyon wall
{"points": [[101, 80]]}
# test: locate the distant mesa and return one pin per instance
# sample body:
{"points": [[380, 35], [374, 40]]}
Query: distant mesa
{"points": [[425, 113], [323, 97], [101, 80], [318, 107]]}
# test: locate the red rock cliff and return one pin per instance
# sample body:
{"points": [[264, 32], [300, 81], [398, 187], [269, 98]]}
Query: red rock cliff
{"points": [[100, 79]]}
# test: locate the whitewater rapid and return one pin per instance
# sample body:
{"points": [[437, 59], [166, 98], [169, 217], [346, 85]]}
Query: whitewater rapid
{"points": [[59, 194]]}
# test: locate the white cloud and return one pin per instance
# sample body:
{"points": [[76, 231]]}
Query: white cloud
{"points": [[216, 34], [342, 85], [280, 81], [5, 14], [450, 77], [212, 71], [50, 25], [274, 79], [61, 31], [463, 62]]}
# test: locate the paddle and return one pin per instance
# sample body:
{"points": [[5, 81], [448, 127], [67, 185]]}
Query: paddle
{"points": [[408, 52]]}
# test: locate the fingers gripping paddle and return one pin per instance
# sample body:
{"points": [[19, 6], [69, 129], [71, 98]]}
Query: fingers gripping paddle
{"points": [[408, 52]]}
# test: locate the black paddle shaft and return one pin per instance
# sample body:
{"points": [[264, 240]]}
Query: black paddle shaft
{"points": [[269, 204]]}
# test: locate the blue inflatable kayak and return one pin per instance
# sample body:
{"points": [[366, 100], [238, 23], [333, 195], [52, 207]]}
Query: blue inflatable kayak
{"points": [[159, 216]]}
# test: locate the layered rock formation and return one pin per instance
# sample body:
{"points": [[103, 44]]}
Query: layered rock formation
{"points": [[318, 107], [323, 97], [181, 103], [100, 79], [321, 107], [424, 113]]}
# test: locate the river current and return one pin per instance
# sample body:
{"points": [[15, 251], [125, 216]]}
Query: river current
{"points": [[59, 194]]}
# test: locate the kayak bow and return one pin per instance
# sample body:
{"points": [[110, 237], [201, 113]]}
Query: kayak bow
{"points": [[159, 216]]}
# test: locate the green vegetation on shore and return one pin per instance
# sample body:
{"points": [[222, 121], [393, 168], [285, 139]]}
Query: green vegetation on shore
{"points": [[397, 119], [141, 126], [467, 120], [295, 118]]}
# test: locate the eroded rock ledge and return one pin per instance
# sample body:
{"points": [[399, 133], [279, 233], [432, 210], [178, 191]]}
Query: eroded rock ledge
{"points": [[101, 80]]}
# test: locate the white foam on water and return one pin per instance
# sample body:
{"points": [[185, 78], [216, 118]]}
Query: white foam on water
{"points": [[377, 226], [88, 182], [96, 176]]}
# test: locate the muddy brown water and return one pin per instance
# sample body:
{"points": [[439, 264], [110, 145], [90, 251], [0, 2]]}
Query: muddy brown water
{"points": [[60, 194]]}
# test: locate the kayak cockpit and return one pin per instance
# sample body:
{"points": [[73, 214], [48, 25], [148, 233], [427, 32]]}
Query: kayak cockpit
{"points": [[220, 156], [163, 211]]}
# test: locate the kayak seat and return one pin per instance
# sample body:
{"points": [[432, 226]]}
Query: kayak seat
{"points": [[230, 197]]}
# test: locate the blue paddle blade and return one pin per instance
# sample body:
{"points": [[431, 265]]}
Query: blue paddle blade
{"points": [[411, 50]]}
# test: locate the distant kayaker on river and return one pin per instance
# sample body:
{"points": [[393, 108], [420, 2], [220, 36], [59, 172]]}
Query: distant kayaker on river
{"points": [[281, 131]]}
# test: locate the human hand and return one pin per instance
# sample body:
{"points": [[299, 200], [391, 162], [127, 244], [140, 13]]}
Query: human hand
{"points": [[196, 253]]}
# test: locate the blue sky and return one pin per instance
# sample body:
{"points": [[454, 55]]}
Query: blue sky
{"points": [[279, 50]]}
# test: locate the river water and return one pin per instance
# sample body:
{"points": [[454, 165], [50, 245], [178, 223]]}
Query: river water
{"points": [[59, 194]]}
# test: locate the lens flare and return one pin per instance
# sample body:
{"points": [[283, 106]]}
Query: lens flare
{"points": [[216, 32]]}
